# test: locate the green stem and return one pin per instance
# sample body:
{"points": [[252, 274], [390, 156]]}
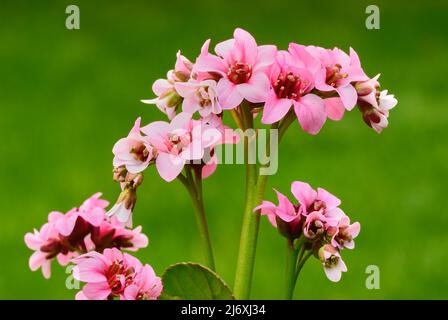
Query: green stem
{"points": [[291, 262], [249, 230], [195, 191], [300, 264], [255, 187]]}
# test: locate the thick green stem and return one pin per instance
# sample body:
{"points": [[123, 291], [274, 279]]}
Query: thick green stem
{"points": [[195, 191], [291, 262], [249, 230]]}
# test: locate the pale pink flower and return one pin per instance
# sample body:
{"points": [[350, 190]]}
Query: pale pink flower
{"points": [[167, 98], [336, 73], [146, 285], [242, 66], [291, 84], [134, 152], [377, 117], [344, 233], [182, 141], [122, 209], [106, 275], [228, 136], [199, 96], [332, 262], [37, 240]]}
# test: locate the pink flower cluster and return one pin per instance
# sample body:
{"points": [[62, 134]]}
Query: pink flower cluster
{"points": [[317, 83], [80, 230], [316, 218], [171, 145], [114, 274]]}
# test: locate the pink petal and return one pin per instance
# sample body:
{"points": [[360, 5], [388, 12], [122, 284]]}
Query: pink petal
{"points": [[225, 48], [310, 111], [228, 95], [209, 168], [207, 62], [168, 166], [335, 108], [333, 273], [96, 291], [348, 96], [33, 241], [330, 200], [354, 229], [265, 57], [256, 89], [303, 192], [160, 86], [247, 46], [275, 109], [36, 260], [180, 121]]}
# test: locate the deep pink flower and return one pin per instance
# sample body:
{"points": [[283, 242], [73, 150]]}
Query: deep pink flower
{"points": [[182, 141], [242, 66], [285, 216], [134, 152], [199, 96], [291, 84], [332, 262], [167, 98], [106, 275], [146, 285], [321, 201], [80, 230], [336, 73]]}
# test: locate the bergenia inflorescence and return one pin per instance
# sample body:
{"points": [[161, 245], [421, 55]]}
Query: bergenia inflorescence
{"points": [[255, 84], [314, 220]]}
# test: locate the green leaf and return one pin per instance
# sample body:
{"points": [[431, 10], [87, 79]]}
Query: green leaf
{"points": [[192, 281]]}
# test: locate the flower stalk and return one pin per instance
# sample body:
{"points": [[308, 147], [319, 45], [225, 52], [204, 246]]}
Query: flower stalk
{"points": [[193, 184]]}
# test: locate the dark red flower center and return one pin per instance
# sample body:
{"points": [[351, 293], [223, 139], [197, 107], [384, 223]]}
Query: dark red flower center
{"points": [[140, 152], [239, 72], [119, 276], [289, 86]]}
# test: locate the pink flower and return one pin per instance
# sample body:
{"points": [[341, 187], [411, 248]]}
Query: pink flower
{"points": [[106, 275], [344, 233], [112, 234], [336, 73], [134, 152], [315, 225], [167, 98], [146, 285], [332, 262], [122, 209], [228, 136], [291, 84], [374, 104], [199, 96], [182, 141], [317, 201], [80, 230], [284, 216], [242, 66]]}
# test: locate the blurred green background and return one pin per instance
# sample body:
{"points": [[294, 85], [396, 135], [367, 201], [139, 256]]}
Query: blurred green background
{"points": [[67, 96]]}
